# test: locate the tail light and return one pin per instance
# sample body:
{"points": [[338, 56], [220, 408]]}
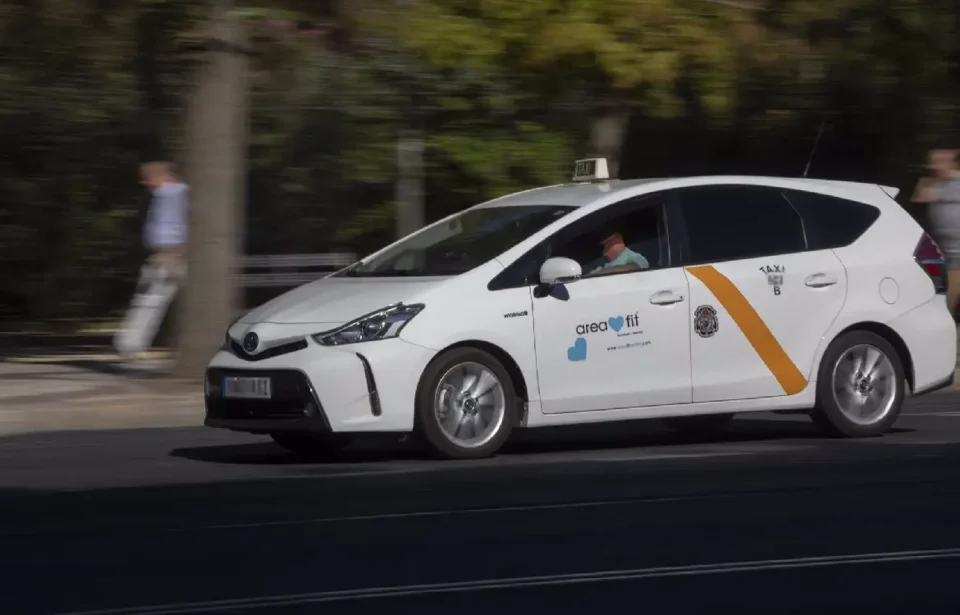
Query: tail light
{"points": [[932, 261]]}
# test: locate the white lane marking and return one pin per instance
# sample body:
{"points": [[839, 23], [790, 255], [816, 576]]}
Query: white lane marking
{"points": [[913, 442], [655, 457], [476, 510], [496, 463], [306, 474], [426, 514], [950, 413], [399, 591]]}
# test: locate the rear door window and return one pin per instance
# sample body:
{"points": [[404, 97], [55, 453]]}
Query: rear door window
{"points": [[734, 222]]}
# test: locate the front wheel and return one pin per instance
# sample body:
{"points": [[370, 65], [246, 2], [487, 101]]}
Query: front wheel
{"points": [[860, 386], [466, 406]]}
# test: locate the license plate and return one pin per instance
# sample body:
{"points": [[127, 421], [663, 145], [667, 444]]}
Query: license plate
{"points": [[246, 388]]}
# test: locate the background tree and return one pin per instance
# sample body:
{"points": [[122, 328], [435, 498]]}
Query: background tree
{"points": [[504, 94], [216, 169]]}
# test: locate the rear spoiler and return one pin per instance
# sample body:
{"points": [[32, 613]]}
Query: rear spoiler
{"points": [[891, 191]]}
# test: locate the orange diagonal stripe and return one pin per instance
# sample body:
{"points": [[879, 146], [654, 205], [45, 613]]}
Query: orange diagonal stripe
{"points": [[753, 328]]}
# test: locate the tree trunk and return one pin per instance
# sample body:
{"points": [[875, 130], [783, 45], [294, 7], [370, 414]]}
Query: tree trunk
{"points": [[608, 130], [216, 143]]}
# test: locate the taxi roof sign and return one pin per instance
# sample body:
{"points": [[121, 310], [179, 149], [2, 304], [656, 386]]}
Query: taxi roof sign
{"points": [[591, 169]]}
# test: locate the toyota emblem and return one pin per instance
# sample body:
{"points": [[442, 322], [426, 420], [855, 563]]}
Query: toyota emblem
{"points": [[250, 342]]}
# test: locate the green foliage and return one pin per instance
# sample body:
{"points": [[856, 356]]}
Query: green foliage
{"points": [[504, 92], [634, 52], [498, 162]]}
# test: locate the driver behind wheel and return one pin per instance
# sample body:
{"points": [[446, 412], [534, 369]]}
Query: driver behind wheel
{"points": [[616, 254]]}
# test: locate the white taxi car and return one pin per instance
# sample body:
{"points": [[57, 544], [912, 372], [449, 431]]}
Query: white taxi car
{"points": [[686, 300]]}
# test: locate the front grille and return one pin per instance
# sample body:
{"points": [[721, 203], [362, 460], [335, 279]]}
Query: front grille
{"points": [[276, 351], [291, 396]]}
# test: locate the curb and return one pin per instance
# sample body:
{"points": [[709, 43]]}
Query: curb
{"points": [[153, 355], [134, 391], [105, 411]]}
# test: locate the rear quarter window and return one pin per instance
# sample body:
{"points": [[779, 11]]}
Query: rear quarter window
{"points": [[831, 222]]}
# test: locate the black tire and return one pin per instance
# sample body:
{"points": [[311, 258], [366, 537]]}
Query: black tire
{"points": [[314, 446], [699, 425], [427, 424], [828, 415]]}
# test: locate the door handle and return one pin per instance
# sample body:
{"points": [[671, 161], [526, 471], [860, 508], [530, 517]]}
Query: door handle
{"points": [[819, 280], [665, 297]]}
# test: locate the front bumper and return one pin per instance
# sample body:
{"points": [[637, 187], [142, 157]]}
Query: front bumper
{"points": [[367, 387], [294, 405]]}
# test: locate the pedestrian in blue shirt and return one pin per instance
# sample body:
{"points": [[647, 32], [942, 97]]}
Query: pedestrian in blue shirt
{"points": [[165, 236]]}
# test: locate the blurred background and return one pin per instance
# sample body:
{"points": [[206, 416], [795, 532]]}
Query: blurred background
{"points": [[329, 127]]}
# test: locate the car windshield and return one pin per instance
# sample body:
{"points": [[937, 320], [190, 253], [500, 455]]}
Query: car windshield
{"points": [[461, 243]]}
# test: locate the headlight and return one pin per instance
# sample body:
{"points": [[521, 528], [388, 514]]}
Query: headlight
{"points": [[380, 325]]}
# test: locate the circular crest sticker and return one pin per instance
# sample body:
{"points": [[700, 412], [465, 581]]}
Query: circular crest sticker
{"points": [[705, 321]]}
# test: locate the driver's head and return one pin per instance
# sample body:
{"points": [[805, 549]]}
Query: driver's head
{"points": [[612, 244]]}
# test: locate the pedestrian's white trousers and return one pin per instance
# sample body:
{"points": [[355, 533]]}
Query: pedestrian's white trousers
{"points": [[156, 288]]}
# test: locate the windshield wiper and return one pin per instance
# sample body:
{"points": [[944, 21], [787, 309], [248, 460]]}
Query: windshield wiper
{"points": [[398, 273], [350, 271], [409, 273]]}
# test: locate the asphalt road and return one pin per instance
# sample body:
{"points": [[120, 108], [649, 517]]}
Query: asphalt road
{"points": [[772, 519]]}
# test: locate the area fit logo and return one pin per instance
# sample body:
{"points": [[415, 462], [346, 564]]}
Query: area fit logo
{"points": [[621, 325], [614, 323]]}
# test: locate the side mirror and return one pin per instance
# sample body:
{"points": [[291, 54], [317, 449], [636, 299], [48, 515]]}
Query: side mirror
{"points": [[560, 271]]}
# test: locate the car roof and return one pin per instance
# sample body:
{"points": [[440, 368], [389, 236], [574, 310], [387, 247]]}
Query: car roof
{"points": [[583, 194]]}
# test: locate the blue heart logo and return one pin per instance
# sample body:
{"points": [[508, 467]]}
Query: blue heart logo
{"points": [[578, 352], [616, 323]]}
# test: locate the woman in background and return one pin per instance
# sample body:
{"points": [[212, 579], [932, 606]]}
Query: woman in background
{"points": [[940, 191]]}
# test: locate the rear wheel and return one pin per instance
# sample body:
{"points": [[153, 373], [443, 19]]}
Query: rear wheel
{"points": [[311, 445], [860, 386], [466, 406], [700, 425]]}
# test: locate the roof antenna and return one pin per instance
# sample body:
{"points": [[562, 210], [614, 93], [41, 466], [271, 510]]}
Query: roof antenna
{"points": [[814, 150]]}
